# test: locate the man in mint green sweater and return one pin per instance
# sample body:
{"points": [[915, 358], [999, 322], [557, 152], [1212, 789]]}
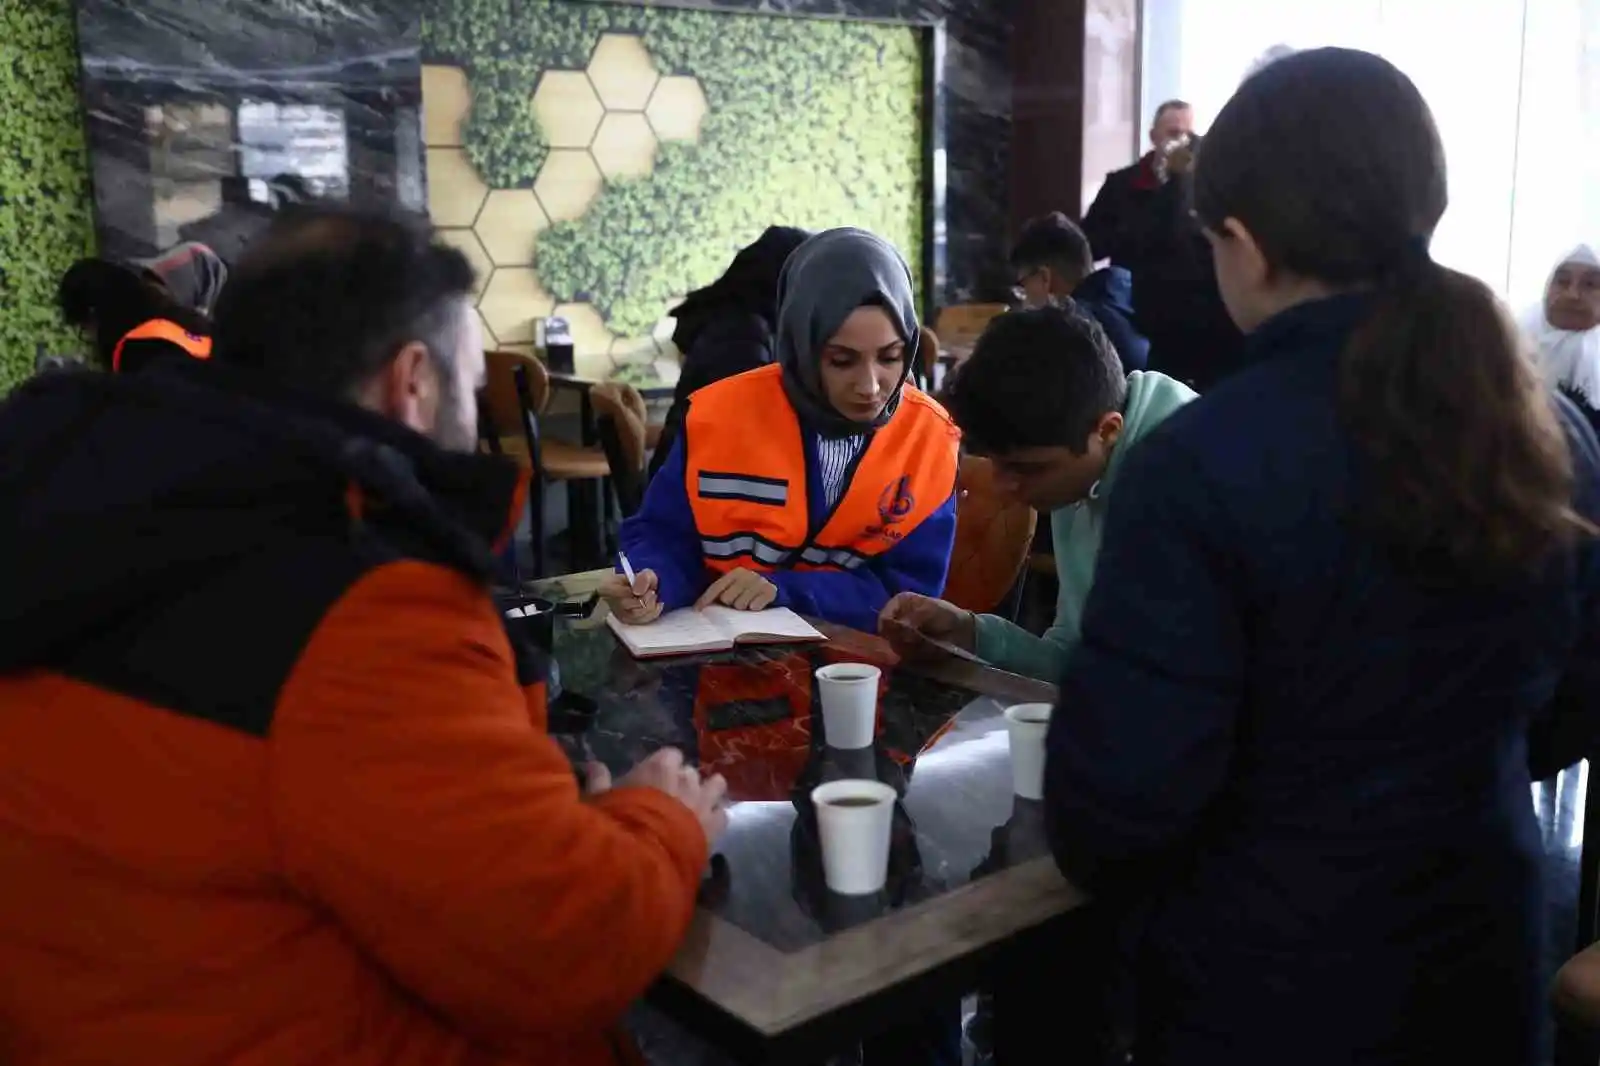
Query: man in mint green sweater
{"points": [[1045, 398]]}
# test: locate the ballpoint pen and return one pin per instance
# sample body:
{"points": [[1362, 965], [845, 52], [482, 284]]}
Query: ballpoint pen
{"points": [[627, 571]]}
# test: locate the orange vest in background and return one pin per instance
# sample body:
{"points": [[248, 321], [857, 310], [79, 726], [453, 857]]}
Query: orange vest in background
{"points": [[160, 329], [745, 459]]}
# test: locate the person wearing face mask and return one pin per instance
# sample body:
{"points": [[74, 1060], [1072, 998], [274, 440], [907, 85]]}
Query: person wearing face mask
{"points": [[1565, 330], [824, 483]]}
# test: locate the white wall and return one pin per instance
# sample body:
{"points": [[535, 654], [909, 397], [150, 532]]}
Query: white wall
{"points": [[1514, 86]]}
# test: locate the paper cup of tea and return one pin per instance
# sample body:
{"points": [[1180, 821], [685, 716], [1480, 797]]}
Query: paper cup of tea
{"points": [[849, 704], [854, 819], [1026, 725]]}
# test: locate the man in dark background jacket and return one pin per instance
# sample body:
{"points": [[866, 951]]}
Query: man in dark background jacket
{"points": [[1140, 220], [1120, 207]]}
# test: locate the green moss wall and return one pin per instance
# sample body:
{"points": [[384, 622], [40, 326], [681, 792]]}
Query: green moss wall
{"points": [[45, 219], [807, 122]]}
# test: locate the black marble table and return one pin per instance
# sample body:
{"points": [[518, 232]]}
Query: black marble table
{"points": [[775, 966]]}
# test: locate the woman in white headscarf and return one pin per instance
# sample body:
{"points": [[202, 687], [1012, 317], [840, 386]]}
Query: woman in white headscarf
{"points": [[1565, 328]]}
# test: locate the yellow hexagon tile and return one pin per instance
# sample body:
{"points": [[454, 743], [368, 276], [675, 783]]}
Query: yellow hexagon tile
{"points": [[467, 243], [666, 324], [567, 184], [567, 109], [512, 301], [589, 332], [622, 72], [455, 192], [507, 225], [490, 341], [625, 147], [596, 366], [677, 108], [446, 100], [634, 350], [669, 370]]}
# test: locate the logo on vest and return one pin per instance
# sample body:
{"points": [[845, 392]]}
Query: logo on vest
{"points": [[894, 504]]}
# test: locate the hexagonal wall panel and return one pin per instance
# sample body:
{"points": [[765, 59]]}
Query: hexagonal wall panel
{"points": [[512, 301], [669, 369], [677, 108], [625, 147], [446, 100], [507, 225], [455, 192], [622, 71], [489, 339], [567, 184], [634, 350], [467, 242], [567, 109], [667, 324]]}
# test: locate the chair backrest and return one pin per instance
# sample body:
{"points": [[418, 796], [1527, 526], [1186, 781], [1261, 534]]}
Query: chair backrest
{"points": [[621, 420], [993, 535], [516, 388], [927, 358], [960, 325]]}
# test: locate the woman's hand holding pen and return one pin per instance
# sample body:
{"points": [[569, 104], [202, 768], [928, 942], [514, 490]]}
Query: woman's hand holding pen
{"points": [[634, 603]]}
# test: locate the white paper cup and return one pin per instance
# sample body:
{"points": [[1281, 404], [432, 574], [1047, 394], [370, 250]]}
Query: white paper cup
{"points": [[849, 704], [1026, 725], [853, 819]]}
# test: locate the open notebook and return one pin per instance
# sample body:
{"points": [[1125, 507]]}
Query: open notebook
{"points": [[691, 632]]}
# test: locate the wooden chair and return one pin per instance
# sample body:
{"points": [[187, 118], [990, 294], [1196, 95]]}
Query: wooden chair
{"points": [[993, 535], [622, 423], [960, 325], [514, 396], [925, 372]]}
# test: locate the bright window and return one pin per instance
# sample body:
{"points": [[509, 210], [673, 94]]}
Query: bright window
{"points": [[1514, 86]]}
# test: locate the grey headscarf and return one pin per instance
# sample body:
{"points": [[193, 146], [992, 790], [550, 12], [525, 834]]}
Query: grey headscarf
{"points": [[826, 279]]}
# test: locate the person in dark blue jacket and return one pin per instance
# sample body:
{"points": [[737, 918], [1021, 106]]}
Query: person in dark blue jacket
{"points": [[1345, 608], [1052, 261]]}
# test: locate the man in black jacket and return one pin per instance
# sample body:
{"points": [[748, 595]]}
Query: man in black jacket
{"points": [[1141, 221], [1123, 201]]}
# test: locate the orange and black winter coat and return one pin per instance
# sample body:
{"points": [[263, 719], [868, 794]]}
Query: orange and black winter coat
{"points": [[270, 788]]}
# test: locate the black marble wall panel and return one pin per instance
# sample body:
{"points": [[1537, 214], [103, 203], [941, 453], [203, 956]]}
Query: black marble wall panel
{"points": [[971, 132], [204, 115], [192, 108]]}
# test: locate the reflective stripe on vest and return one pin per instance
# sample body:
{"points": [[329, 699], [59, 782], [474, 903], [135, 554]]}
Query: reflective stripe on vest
{"points": [[746, 479], [160, 329]]}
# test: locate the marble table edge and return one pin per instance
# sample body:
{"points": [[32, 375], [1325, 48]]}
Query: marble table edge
{"points": [[775, 992]]}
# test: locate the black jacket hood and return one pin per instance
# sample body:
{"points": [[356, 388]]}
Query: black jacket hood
{"points": [[122, 493]]}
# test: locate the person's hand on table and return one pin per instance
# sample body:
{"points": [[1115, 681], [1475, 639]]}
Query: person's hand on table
{"points": [[910, 620], [743, 590], [665, 771], [636, 604]]}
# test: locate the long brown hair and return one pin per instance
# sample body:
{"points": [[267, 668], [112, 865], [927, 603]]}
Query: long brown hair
{"points": [[1331, 159]]}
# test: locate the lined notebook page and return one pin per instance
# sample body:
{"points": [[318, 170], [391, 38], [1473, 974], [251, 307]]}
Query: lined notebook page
{"points": [[779, 622], [683, 631], [687, 631]]}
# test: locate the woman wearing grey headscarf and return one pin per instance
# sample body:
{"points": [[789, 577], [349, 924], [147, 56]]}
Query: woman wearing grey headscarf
{"points": [[824, 482]]}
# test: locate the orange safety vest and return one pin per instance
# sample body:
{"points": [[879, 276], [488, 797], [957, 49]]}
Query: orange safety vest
{"points": [[160, 329], [746, 478]]}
